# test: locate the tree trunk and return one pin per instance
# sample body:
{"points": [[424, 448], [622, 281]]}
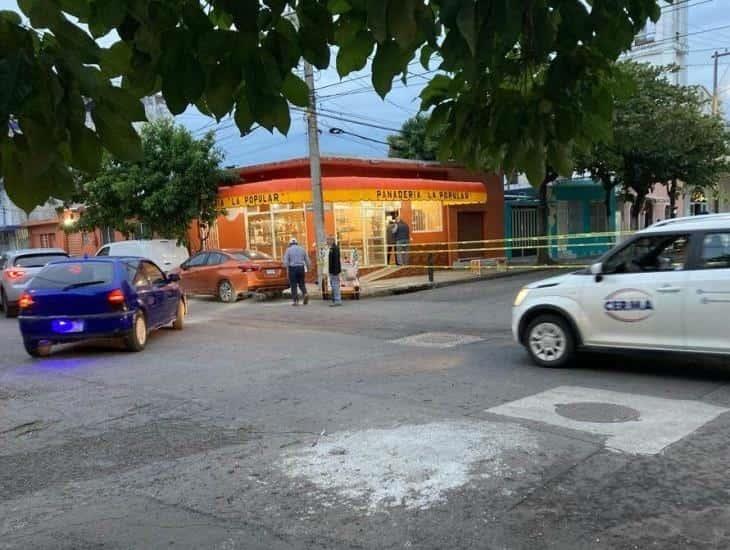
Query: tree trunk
{"points": [[608, 192], [636, 208], [543, 252], [673, 198]]}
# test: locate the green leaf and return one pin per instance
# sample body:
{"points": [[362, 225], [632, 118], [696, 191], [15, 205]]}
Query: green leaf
{"points": [[295, 90], [72, 37], [16, 87], [117, 134], [221, 88], [534, 165], [42, 13], [183, 79], [437, 90], [116, 60], [77, 8], [105, 15], [347, 29], [124, 102], [467, 23], [276, 6], [281, 116], [353, 56], [378, 19], [388, 62], [85, 149], [10, 17], [338, 7], [402, 21], [243, 116], [426, 53]]}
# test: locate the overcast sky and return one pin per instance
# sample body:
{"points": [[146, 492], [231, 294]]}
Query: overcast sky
{"points": [[353, 99]]}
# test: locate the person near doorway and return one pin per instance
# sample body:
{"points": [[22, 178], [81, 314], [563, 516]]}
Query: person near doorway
{"points": [[390, 241], [334, 266], [296, 262], [402, 236]]}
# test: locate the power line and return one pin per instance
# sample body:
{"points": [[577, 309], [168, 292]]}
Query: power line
{"points": [[343, 119]]}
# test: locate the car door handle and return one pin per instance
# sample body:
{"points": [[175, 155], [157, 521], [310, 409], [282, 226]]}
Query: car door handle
{"points": [[669, 289]]}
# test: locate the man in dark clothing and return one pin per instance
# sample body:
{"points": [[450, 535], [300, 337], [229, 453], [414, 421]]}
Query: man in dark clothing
{"points": [[335, 268], [402, 235], [390, 240]]}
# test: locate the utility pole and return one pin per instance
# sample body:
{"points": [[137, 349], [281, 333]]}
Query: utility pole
{"points": [[315, 174], [715, 95]]}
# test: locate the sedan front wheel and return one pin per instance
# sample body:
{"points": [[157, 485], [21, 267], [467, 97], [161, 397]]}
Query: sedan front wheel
{"points": [[550, 341]]}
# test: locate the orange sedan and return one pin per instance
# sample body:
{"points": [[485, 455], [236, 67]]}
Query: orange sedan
{"points": [[227, 274]]}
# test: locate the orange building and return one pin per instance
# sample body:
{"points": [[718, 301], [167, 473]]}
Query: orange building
{"points": [[53, 229], [441, 204]]}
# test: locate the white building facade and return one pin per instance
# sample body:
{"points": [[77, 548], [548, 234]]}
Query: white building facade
{"points": [[665, 42]]}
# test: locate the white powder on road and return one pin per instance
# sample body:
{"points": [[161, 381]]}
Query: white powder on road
{"points": [[414, 465]]}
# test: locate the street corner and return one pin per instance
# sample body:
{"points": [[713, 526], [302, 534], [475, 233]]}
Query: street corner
{"points": [[631, 423]]}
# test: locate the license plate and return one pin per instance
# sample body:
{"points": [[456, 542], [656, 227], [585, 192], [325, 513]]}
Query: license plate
{"points": [[64, 326], [272, 272]]}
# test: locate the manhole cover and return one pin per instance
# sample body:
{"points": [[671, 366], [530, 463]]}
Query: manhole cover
{"points": [[437, 340], [597, 412]]}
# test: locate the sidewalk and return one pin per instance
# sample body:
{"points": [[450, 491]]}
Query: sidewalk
{"points": [[442, 278]]}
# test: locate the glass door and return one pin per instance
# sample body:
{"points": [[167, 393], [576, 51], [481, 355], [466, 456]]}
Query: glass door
{"points": [[373, 220]]}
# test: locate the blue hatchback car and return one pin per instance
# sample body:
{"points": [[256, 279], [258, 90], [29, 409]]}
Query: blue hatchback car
{"points": [[101, 297]]}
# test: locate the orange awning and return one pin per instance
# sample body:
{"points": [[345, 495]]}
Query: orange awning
{"points": [[353, 189]]}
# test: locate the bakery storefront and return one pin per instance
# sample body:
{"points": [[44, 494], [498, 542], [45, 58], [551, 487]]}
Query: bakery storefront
{"points": [[264, 215]]}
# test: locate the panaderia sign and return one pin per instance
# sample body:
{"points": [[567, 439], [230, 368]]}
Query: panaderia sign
{"points": [[354, 195]]}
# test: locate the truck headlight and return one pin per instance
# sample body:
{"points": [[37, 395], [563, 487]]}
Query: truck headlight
{"points": [[521, 295]]}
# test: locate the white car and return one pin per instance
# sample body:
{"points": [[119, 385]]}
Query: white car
{"points": [[165, 253], [17, 269], [666, 288]]}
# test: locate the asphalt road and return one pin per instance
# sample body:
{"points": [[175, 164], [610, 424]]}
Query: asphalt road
{"points": [[272, 427]]}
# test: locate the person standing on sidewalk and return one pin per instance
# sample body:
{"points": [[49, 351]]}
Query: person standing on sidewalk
{"points": [[402, 235], [334, 263], [296, 262]]}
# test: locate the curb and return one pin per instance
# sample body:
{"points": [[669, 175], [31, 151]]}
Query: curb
{"points": [[418, 287]]}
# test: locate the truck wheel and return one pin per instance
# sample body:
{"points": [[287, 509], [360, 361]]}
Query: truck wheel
{"points": [[550, 341], [136, 340]]}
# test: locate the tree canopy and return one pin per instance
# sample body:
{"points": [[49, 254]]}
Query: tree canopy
{"points": [[414, 141], [662, 134], [519, 83], [175, 182]]}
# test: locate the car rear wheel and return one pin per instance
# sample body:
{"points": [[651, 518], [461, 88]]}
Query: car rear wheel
{"points": [[37, 349], [179, 321], [137, 339], [8, 309], [226, 292], [550, 341]]}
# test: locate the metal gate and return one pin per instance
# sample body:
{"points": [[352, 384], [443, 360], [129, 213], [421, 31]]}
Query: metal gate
{"points": [[525, 225]]}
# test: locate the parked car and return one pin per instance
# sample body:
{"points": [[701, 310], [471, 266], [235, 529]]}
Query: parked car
{"points": [[167, 254], [227, 274], [667, 288], [83, 299], [17, 268]]}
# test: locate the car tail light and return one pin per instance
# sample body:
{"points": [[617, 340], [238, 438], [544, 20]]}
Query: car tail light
{"points": [[249, 268], [116, 298], [25, 301], [15, 274]]}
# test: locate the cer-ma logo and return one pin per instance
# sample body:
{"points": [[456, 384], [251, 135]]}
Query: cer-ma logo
{"points": [[629, 305]]}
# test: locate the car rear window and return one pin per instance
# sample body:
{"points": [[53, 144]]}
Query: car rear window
{"points": [[245, 255], [73, 274], [38, 260]]}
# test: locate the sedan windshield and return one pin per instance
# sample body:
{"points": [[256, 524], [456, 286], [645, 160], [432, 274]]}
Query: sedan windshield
{"points": [[73, 275]]}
